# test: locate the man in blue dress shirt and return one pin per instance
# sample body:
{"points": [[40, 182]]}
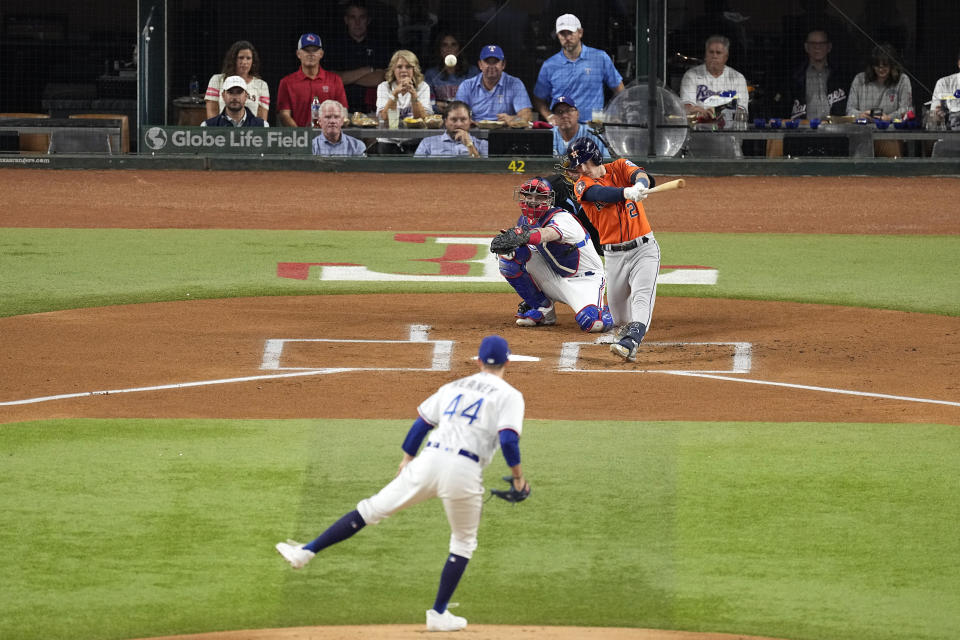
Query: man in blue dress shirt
{"points": [[332, 141], [576, 71], [456, 140], [495, 95], [567, 128]]}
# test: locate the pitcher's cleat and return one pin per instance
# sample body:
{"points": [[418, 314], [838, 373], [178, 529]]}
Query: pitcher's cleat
{"points": [[294, 553], [445, 621]]}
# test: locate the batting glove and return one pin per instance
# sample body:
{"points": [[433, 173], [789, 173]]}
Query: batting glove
{"points": [[636, 193]]}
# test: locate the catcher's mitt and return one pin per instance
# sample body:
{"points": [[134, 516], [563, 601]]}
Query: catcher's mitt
{"points": [[508, 240], [512, 495]]}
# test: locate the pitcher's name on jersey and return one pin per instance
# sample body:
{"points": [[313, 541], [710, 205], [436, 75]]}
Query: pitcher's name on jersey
{"points": [[476, 385]]}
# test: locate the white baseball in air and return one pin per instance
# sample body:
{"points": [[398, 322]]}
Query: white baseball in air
{"points": [[450, 60]]}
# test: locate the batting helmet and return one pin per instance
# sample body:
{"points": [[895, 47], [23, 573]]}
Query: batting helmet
{"points": [[578, 152], [536, 197]]}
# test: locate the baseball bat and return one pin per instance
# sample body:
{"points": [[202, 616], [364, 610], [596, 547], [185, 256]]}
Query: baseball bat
{"points": [[668, 186]]}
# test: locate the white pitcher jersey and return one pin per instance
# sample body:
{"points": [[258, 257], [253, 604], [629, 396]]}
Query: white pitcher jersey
{"points": [[470, 412]]}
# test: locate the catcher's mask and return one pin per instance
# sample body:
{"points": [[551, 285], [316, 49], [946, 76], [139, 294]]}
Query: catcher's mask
{"points": [[578, 152], [536, 197]]}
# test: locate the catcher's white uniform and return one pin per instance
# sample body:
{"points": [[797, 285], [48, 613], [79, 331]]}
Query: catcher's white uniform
{"points": [[468, 415], [568, 270]]}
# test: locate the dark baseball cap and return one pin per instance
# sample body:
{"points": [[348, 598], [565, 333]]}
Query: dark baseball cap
{"points": [[563, 100], [493, 350], [309, 40]]}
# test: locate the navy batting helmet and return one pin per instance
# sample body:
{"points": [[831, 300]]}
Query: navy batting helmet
{"points": [[578, 152]]}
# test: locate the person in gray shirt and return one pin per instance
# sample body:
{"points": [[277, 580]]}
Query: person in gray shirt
{"points": [[332, 141], [882, 91]]}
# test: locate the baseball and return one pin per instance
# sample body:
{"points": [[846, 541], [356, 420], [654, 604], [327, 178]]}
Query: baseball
{"points": [[450, 60]]}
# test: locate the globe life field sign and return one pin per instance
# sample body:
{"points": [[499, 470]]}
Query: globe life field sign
{"points": [[227, 140]]}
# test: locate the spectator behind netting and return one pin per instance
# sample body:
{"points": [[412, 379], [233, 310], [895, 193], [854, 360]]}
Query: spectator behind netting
{"points": [[403, 90], [241, 60], [332, 141], [456, 139], [494, 94], [236, 113], [357, 57], [946, 98], [567, 127], [882, 91], [443, 79], [713, 83], [576, 71], [297, 90], [817, 88]]}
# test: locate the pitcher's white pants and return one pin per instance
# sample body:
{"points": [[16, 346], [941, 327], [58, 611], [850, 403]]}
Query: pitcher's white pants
{"points": [[441, 473]]}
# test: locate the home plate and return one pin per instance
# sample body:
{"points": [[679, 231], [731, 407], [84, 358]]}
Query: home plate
{"points": [[514, 357]]}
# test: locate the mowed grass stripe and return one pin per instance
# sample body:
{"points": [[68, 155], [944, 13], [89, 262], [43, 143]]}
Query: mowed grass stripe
{"points": [[50, 269], [131, 528]]}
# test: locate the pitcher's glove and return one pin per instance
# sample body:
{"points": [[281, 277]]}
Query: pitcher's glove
{"points": [[508, 240], [512, 495]]}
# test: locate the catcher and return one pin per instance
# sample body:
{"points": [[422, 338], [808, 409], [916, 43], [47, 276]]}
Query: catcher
{"points": [[548, 257]]}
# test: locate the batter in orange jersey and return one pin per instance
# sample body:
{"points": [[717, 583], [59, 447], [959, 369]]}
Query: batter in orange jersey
{"points": [[610, 195]]}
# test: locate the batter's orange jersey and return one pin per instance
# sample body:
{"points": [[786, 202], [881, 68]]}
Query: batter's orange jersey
{"points": [[616, 222]]}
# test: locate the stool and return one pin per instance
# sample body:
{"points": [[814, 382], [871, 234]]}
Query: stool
{"points": [[124, 142], [35, 142]]}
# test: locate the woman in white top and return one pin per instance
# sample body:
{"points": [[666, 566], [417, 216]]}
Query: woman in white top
{"points": [[404, 90], [241, 60]]}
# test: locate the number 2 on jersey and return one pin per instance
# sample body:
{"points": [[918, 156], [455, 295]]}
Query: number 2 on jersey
{"points": [[471, 413], [632, 208]]}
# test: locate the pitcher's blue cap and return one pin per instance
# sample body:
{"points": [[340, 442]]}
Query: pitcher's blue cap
{"points": [[493, 350]]}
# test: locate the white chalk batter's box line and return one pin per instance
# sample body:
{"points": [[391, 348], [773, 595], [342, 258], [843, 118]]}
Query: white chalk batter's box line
{"points": [[442, 350], [742, 357], [273, 349]]}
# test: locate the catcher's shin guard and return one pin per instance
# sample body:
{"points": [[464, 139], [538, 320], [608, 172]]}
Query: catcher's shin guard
{"points": [[518, 278], [593, 319]]}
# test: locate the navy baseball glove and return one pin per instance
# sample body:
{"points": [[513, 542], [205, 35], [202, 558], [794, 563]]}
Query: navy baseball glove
{"points": [[508, 240], [512, 495]]}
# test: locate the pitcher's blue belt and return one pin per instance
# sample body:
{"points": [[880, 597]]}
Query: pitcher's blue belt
{"points": [[461, 452]]}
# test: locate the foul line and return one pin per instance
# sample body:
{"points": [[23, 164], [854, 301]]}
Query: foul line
{"points": [[848, 392], [178, 385]]}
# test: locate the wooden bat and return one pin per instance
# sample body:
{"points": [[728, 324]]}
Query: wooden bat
{"points": [[668, 186]]}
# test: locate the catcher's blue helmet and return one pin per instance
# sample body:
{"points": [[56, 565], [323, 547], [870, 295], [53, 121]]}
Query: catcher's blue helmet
{"points": [[578, 152]]}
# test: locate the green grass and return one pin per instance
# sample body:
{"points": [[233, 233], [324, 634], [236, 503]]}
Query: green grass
{"points": [[119, 529], [50, 269]]}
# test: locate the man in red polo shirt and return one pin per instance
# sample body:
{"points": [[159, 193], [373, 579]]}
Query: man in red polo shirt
{"points": [[298, 89]]}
